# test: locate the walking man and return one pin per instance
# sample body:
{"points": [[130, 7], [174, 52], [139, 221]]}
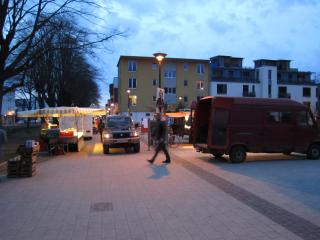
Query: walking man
{"points": [[160, 136]]}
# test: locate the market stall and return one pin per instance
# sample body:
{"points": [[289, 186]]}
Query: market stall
{"points": [[179, 122], [72, 126]]}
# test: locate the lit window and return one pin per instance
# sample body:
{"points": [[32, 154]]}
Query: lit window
{"points": [[133, 100]]}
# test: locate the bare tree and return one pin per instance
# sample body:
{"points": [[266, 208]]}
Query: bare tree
{"points": [[20, 23]]}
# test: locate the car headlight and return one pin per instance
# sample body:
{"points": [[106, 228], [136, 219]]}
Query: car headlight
{"points": [[107, 135], [134, 134]]}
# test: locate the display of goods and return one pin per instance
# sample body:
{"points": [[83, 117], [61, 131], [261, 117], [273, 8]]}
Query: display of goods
{"points": [[66, 133]]}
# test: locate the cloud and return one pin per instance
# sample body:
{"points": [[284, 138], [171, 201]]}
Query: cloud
{"points": [[252, 29]]}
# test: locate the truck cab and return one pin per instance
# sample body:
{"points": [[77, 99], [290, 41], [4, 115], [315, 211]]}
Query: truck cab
{"points": [[120, 132]]}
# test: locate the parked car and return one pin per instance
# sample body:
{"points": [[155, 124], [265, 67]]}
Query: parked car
{"points": [[235, 126], [120, 132]]}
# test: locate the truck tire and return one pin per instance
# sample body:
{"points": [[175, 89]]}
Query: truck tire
{"points": [[238, 154], [106, 149], [137, 148], [314, 151]]}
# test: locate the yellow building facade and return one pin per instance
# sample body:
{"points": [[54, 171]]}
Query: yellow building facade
{"points": [[184, 81]]}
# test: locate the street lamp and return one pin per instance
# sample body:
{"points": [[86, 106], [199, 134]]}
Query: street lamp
{"points": [[180, 103], [159, 57], [128, 93]]}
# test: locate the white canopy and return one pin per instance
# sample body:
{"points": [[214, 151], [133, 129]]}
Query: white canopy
{"points": [[62, 111]]}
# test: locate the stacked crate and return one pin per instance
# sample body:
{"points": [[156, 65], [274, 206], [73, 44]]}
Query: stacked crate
{"points": [[13, 167], [28, 163], [23, 165]]}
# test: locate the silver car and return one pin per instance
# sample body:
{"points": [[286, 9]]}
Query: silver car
{"points": [[120, 132]]}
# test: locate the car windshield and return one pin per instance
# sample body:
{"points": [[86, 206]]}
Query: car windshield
{"points": [[119, 122]]}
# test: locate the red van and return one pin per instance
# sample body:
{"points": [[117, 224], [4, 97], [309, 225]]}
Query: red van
{"points": [[235, 126]]}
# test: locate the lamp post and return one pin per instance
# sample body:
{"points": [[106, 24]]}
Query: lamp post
{"points": [[159, 57], [128, 93]]}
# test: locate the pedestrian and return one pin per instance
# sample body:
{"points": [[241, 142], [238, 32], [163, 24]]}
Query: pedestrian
{"points": [[160, 136], [101, 128]]}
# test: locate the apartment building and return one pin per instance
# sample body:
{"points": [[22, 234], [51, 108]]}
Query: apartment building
{"points": [[268, 79], [184, 81]]}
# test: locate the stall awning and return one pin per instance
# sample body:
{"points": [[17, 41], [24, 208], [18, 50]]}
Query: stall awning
{"points": [[62, 112], [178, 114]]}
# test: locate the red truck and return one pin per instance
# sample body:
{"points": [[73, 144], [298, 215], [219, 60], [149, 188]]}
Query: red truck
{"points": [[235, 126]]}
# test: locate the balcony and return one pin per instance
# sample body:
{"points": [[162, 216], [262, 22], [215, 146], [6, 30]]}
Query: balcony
{"points": [[249, 94], [284, 95]]}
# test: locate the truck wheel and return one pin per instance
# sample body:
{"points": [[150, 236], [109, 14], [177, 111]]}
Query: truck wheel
{"points": [[314, 151], [137, 148], [218, 155], [106, 149], [238, 154]]}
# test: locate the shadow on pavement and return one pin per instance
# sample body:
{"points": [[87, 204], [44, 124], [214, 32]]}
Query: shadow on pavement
{"points": [[159, 171]]}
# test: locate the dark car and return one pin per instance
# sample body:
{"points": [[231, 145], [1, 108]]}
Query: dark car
{"points": [[120, 132]]}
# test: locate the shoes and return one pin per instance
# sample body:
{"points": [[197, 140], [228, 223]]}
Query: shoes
{"points": [[150, 161], [166, 161]]}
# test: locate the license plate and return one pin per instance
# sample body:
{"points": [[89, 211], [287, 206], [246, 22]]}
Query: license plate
{"points": [[121, 140]]}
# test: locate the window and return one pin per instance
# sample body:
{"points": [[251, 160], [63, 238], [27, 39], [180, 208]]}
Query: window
{"points": [[154, 82], [185, 99], [132, 83], [257, 75], [185, 67], [200, 85], [304, 119], [230, 73], [132, 66], [154, 98], [273, 117], [147, 114], [170, 73], [269, 75], [185, 82], [279, 117], [221, 88], [170, 90], [306, 92], [154, 66], [245, 90], [133, 100], [200, 68], [269, 90], [199, 97], [253, 88]]}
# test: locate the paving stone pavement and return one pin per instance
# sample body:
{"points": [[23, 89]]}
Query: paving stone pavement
{"points": [[89, 195]]}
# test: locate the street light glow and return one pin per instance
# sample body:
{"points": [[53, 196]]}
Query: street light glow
{"points": [[159, 56], [128, 91]]}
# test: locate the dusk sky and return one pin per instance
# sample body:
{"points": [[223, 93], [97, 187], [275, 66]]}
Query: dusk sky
{"points": [[252, 29]]}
